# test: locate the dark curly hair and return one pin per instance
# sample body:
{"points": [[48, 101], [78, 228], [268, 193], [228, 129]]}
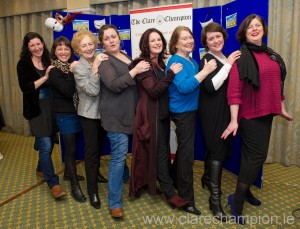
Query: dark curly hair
{"points": [[62, 40], [144, 46], [26, 54], [241, 33]]}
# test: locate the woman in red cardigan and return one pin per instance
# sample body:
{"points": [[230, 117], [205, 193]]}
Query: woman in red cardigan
{"points": [[255, 96], [151, 153]]}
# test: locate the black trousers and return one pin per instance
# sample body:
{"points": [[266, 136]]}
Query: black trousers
{"points": [[92, 143], [255, 136], [164, 158], [184, 159]]}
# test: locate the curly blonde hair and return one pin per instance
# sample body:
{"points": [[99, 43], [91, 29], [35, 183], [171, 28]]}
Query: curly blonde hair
{"points": [[78, 36]]}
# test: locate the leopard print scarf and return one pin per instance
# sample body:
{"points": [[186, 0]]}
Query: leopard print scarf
{"points": [[63, 66]]}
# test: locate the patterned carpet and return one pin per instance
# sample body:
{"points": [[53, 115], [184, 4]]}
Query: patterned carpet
{"points": [[25, 201]]}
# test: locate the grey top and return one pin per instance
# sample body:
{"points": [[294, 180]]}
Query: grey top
{"points": [[88, 87], [118, 96]]}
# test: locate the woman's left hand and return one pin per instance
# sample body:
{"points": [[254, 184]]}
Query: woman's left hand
{"points": [[284, 113]]}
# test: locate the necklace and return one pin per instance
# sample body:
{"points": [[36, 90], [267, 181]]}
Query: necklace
{"points": [[188, 59]]}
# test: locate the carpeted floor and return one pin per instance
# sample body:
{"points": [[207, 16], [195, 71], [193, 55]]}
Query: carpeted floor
{"points": [[25, 201]]}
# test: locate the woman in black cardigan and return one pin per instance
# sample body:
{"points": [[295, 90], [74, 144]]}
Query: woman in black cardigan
{"points": [[33, 69]]}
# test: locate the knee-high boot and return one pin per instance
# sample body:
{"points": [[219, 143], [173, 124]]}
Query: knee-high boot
{"points": [[76, 191], [215, 172]]}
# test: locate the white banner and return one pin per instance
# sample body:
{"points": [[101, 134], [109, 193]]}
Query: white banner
{"points": [[163, 18]]}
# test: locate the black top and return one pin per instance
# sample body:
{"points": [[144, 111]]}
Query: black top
{"points": [[63, 89], [27, 74], [214, 113]]}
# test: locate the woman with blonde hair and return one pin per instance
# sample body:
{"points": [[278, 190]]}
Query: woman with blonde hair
{"points": [[87, 81]]}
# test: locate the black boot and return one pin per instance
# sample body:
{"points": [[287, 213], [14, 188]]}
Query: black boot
{"points": [[70, 166], [205, 176], [215, 172], [76, 192]]}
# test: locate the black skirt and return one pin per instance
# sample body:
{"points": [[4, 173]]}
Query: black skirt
{"points": [[43, 125]]}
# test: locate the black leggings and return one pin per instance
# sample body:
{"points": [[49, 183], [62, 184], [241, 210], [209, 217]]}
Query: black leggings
{"points": [[70, 154]]}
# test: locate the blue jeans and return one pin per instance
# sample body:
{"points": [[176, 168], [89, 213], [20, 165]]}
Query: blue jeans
{"points": [[119, 148], [45, 146]]}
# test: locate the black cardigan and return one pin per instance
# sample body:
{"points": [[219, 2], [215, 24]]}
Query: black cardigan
{"points": [[27, 74]]}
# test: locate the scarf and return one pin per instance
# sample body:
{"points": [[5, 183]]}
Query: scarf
{"points": [[63, 66], [248, 66]]}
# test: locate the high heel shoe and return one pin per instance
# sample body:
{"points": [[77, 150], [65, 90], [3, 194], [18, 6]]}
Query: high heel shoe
{"points": [[252, 199], [239, 218], [178, 201]]}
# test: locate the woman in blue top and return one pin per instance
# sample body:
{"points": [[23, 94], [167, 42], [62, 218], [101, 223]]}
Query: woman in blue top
{"points": [[184, 94]]}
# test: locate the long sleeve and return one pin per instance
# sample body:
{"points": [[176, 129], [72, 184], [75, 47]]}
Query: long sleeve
{"points": [[155, 89], [185, 80], [86, 81], [221, 76], [26, 77], [62, 82], [235, 86], [215, 79], [110, 79]]}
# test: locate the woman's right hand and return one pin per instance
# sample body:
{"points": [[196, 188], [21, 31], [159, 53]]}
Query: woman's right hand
{"points": [[176, 67], [141, 67], [233, 57], [47, 71], [99, 58], [209, 66], [73, 64], [231, 128]]}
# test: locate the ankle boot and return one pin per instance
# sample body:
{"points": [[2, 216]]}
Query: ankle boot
{"points": [[236, 209], [76, 192], [205, 177], [252, 199], [215, 171]]}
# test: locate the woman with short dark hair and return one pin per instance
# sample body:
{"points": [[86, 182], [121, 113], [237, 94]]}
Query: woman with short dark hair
{"points": [[214, 113], [63, 88]]}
